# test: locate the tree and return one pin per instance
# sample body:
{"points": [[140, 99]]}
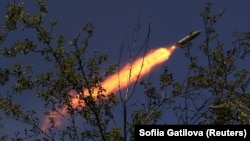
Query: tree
{"points": [[219, 85], [74, 71]]}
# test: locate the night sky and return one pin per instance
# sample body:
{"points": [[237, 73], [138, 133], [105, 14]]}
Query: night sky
{"points": [[114, 23]]}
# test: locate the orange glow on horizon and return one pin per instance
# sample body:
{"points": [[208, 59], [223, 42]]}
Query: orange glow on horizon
{"points": [[129, 74]]}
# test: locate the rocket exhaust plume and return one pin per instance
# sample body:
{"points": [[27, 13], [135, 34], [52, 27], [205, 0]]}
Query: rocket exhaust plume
{"points": [[121, 79]]}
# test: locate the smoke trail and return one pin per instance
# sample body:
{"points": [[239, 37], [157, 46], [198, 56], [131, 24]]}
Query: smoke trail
{"points": [[138, 69]]}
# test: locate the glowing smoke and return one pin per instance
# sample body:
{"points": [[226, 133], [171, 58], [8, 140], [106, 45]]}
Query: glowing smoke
{"points": [[120, 80]]}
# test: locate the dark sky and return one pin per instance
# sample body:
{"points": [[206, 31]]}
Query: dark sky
{"points": [[114, 22]]}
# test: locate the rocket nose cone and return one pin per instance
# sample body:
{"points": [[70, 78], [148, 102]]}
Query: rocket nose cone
{"points": [[198, 31]]}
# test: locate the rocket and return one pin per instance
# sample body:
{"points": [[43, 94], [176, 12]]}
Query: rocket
{"points": [[188, 38]]}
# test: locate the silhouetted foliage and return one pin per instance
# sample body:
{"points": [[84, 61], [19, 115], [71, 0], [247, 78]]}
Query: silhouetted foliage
{"points": [[215, 90]]}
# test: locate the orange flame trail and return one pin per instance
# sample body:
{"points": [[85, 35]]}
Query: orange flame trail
{"points": [[127, 75]]}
